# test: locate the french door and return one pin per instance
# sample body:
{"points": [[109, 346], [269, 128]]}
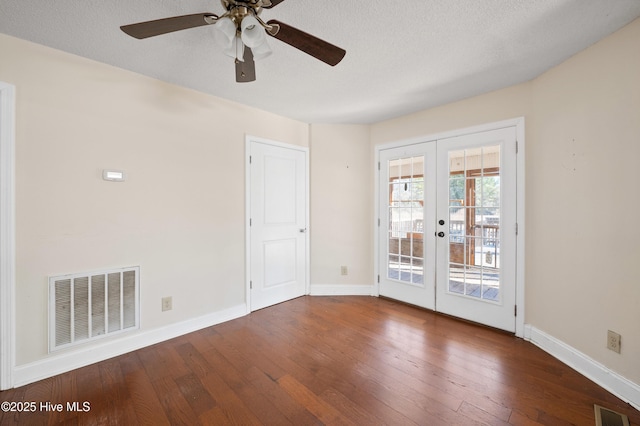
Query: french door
{"points": [[407, 218], [448, 226]]}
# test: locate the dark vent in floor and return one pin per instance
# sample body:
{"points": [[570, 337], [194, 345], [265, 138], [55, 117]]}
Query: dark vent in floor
{"points": [[606, 417]]}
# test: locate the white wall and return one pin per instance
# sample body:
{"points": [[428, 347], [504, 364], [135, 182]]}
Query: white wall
{"points": [[341, 200], [180, 213], [582, 148]]}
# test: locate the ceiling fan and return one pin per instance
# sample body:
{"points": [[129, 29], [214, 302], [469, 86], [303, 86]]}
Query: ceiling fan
{"points": [[242, 34]]}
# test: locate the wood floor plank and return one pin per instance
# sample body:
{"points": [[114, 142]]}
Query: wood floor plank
{"points": [[477, 414], [175, 407], [519, 419], [325, 412], [349, 408], [258, 404], [261, 406], [195, 394], [144, 400], [162, 361], [114, 385], [327, 360], [268, 386]]}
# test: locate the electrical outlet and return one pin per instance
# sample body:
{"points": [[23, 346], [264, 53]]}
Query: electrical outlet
{"points": [[167, 303], [344, 270], [613, 341]]}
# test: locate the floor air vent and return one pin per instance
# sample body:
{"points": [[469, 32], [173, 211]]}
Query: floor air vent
{"points": [[89, 306], [606, 417]]}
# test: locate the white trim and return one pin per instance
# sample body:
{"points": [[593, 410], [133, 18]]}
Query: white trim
{"points": [[613, 382], [342, 290], [247, 211], [518, 123], [7, 234], [376, 221], [80, 357], [512, 122], [520, 220]]}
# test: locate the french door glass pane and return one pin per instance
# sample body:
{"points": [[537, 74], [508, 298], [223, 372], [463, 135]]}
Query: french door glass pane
{"points": [[406, 212], [474, 223]]}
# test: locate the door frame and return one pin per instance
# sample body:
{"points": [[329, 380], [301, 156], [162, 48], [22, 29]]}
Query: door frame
{"points": [[249, 140], [519, 124], [7, 235]]}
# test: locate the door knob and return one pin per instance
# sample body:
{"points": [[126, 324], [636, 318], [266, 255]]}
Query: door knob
{"points": [[303, 230], [441, 234]]}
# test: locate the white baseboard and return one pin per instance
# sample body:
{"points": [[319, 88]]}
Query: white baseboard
{"points": [[618, 385], [83, 356], [341, 290]]}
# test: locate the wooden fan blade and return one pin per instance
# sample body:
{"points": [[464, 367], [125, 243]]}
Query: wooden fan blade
{"points": [[319, 49], [167, 25], [246, 71], [274, 3]]}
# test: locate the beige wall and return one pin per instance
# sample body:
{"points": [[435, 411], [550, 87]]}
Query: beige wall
{"points": [[341, 205], [180, 213], [582, 123], [583, 204]]}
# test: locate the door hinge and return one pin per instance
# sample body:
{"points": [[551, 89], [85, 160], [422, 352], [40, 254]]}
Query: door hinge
{"points": [[250, 285], [515, 310], [378, 165], [378, 279], [250, 158], [250, 221], [378, 222], [517, 147], [517, 228]]}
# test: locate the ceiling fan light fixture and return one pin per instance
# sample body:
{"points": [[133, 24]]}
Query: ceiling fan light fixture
{"points": [[261, 51], [239, 49], [226, 32], [236, 49], [231, 50], [253, 34]]}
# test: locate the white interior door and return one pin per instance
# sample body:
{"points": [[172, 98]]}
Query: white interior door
{"points": [[448, 226], [278, 223]]}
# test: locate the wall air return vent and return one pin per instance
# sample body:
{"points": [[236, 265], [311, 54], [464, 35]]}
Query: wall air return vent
{"points": [[88, 306]]}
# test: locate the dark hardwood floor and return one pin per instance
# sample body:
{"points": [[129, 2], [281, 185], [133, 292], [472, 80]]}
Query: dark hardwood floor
{"points": [[326, 360]]}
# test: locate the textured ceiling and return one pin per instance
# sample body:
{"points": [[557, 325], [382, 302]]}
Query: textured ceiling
{"points": [[402, 56]]}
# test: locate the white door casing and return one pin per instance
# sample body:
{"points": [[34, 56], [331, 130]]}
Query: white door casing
{"points": [[7, 234], [277, 222]]}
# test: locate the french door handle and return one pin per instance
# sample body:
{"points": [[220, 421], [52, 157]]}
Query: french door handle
{"points": [[440, 234]]}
